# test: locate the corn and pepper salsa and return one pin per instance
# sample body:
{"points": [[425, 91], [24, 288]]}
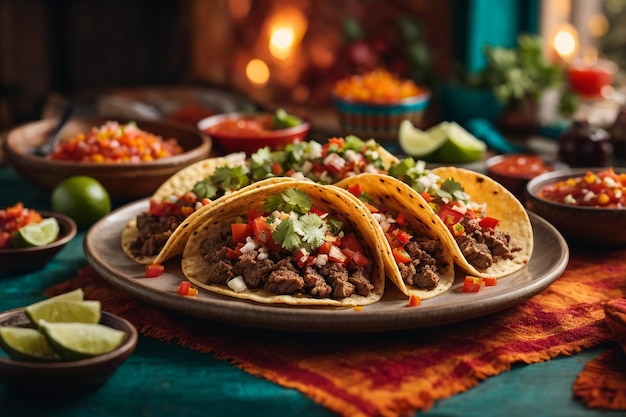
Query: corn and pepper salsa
{"points": [[605, 188], [116, 142], [376, 86], [12, 219]]}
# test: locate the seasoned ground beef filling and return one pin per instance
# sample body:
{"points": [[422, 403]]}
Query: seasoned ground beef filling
{"points": [[279, 273], [422, 272], [483, 246], [153, 233]]}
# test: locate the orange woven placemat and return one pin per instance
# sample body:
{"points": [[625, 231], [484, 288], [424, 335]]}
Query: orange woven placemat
{"points": [[405, 371]]}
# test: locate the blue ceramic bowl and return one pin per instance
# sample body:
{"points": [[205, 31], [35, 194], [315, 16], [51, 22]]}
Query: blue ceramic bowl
{"points": [[381, 120]]}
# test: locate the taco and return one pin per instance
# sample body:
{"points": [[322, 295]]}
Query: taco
{"points": [[291, 242], [487, 229], [156, 235], [145, 236], [416, 258]]}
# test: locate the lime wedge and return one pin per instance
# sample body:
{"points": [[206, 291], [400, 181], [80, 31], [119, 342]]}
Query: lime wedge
{"points": [[26, 344], [460, 146], [36, 234], [57, 311], [81, 340], [416, 142]]}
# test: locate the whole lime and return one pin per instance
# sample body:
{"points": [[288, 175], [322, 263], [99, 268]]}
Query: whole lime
{"points": [[82, 198]]}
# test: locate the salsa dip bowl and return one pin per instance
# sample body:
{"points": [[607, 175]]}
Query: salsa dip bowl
{"points": [[588, 225], [122, 180]]}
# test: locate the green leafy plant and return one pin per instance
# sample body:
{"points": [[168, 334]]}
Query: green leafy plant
{"points": [[523, 72]]}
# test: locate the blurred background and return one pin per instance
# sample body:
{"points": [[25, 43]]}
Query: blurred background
{"points": [[192, 54]]}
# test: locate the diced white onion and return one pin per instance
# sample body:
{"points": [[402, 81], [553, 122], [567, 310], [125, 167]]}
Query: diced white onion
{"points": [[307, 166], [321, 259], [237, 284], [249, 246]]}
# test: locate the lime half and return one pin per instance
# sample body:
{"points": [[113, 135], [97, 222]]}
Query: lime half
{"points": [[416, 142], [26, 344], [57, 311], [36, 234], [81, 340], [459, 145]]}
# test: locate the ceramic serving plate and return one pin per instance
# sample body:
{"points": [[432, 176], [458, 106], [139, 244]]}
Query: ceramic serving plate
{"points": [[104, 253]]}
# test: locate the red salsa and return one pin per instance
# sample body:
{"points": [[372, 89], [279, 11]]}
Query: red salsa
{"points": [[248, 125], [595, 189], [524, 166]]}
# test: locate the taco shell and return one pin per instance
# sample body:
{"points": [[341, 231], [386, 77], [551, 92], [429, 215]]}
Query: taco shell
{"points": [[398, 197], [501, 204], [218, 217]]}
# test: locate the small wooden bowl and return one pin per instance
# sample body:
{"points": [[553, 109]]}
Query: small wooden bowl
{"points": [[56, 380], [123, 181], [24, 260]]}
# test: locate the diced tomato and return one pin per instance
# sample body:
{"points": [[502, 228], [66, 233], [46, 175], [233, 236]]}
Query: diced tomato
{"points": [[240, 232], [253, 214], [276, 168], [360, 259], [188, 198], [371, 208], [426, 196], [401, 219], [317, 211], [450, 216], [349, 253], [183, 288], [303, 259], [324, 248], [355, 189], [414, 300], [5, 240], [350, 241], [163, 208], [402, 236], [401, 255], [473, 284], [186, 210], [457, 229], [490, 281], [488, 222], [154, 270]]}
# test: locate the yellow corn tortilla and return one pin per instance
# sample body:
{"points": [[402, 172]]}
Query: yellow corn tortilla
{"points": [[182, 181], [217, 219], [397, 196], [502, 205]]}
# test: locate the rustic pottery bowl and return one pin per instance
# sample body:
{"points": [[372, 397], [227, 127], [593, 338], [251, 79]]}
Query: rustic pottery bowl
{"points": [[124, 181], [243, 139], [63, 379], [584, 226], [379, 120], [514, 171], [24, 260]]}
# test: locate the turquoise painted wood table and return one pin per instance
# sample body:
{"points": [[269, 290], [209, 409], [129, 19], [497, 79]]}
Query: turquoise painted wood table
{"points": [[162, 379]]}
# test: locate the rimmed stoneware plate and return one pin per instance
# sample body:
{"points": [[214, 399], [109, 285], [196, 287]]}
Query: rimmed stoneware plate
{"points": [[104, 254]]}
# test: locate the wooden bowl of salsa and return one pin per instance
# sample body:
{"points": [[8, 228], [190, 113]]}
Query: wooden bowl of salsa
{"points": [[514, 171], [245, 131], [587, 205]]}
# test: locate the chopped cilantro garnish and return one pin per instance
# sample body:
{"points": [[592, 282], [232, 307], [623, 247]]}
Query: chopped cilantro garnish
{"points": [[334, 225], [230, 178], [286, 236], [204, 189], [313, 229], [452, 191], [289, 200], [353, 142]]}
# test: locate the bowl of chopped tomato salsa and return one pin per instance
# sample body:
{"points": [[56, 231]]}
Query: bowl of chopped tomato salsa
{"points": [[514, 171], [587, 205], [250, 131], [131, 158]]}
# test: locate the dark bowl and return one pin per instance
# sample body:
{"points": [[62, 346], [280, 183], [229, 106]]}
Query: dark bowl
{"points": [[582, 226], [20, 261], [124, 181], [514, 171], [247, 141], [56, 380]]}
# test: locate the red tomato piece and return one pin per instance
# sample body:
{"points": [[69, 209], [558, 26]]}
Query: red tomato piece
{"points": [[154, 270], [414, 301], [490, 281], [240, 232], [356, 189], [350, 241], [401, 255], [183, 288], [488, 222], [473, 284]]}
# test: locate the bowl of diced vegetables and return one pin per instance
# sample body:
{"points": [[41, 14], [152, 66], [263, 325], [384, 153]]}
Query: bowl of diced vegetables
{"points": [[62, 346], [29, 239], [131, 158]]}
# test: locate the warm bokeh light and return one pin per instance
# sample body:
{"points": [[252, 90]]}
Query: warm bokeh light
{"points": [[566, 42], [285, 29], [258, 72], [598, 25]]}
